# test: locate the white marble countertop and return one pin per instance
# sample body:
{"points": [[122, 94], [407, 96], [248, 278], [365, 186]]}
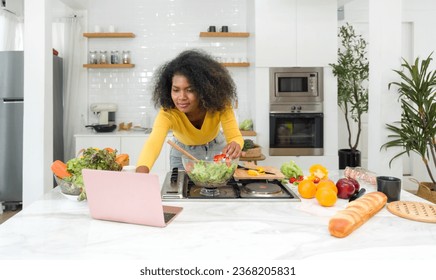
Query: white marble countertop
{"points": [[55, 227]]}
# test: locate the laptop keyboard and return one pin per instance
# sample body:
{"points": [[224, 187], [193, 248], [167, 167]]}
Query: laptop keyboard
{"points": [[168, 216]]}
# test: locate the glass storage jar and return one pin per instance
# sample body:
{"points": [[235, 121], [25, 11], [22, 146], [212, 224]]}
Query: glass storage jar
{"points": [[93, 57], [126, 57], [103, 57], [115, 57]]}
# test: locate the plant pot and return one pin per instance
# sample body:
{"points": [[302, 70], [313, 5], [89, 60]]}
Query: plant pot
{"points": [[348, 157]]}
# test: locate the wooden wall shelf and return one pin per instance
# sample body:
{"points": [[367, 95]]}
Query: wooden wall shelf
{"points": [[110, 35], [224, 34], [235, 64], [108, 65]]}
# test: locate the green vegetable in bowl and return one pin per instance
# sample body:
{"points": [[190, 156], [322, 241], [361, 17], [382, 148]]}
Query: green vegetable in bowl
{"points": [[92, 158], [212, 174]]}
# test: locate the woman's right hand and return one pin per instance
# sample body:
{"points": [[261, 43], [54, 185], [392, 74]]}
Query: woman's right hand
{"points": [[142, 169]]}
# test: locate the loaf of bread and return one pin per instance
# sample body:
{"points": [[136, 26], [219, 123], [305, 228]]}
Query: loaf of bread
{"points": [[356, 214]]}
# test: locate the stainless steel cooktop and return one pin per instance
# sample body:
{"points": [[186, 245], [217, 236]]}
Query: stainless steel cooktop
{"points": [[178, 186]]}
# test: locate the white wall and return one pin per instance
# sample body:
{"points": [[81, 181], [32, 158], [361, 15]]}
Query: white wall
{"points": [[417, 16], [163, 29], [38, 105], [306, 31], [420, 16]]}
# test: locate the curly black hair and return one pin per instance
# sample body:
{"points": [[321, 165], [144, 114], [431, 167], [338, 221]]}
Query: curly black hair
{"points": [[210, 81]]}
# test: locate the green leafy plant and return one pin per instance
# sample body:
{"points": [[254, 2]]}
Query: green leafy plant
{"points": [[416, 130], [352, 71]]}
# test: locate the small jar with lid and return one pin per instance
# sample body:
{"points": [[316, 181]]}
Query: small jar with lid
{"points": [[103, 57], [93, 57], [115, 57], [126, 57]]}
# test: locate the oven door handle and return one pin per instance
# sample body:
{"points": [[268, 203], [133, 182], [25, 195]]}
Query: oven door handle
{"points": [[294, 115]]}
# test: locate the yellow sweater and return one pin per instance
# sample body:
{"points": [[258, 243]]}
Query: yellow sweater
{"points": [[186, 133]]}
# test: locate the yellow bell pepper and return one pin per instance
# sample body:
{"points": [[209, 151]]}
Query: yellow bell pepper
{"points": [[319, 171]]}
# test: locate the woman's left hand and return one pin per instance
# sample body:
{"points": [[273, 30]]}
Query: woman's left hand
{"points": [[233, 150]]}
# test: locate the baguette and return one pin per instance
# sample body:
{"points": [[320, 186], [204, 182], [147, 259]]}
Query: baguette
{"points": [[356, 214]]}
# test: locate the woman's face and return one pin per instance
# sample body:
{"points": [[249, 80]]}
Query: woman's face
{"points": [[183, 95]]}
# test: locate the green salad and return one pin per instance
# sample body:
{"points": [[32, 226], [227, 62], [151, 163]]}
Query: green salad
{"points": [[211, 174], [91, 158]]}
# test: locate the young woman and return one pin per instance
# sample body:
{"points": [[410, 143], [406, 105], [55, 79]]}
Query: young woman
{"points": [[195, 94]]}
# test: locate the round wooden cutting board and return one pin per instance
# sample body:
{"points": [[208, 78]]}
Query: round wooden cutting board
{"points": [[416, 211]]}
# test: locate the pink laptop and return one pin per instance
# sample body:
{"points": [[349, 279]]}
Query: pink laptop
{"points": [[127, 197]]}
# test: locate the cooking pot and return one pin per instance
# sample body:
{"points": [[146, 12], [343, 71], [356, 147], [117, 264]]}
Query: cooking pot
{"points": [[103, 127]]}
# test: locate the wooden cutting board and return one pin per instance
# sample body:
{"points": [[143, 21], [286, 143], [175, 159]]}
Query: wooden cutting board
{"points": [[241, 174]]}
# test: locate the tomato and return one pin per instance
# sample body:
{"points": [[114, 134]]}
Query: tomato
{"points": [[219, 157], [316, 180], [292, 180]]}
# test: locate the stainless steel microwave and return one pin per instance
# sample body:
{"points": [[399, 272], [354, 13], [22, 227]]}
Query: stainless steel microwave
{"points": [[296, 84]]}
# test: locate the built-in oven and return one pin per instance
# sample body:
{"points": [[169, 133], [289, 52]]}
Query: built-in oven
{"points": [[296, 133], [296, 111]]}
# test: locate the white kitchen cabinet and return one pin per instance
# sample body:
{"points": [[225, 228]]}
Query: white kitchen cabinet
{"points": [[295, 33], [276, 33], [316, 32], [132, 146]]}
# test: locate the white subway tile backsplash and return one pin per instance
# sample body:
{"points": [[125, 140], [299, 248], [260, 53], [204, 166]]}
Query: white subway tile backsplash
{"points": [[162, 29]]}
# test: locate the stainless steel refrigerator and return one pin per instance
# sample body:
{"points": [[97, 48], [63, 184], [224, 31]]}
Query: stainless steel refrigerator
{"points": [[11, 123]]}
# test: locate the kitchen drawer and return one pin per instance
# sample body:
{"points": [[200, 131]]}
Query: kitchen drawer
{"points": [[133, 146]]}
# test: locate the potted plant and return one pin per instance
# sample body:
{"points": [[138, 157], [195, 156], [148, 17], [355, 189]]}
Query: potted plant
{"points": [[416, 130], [352, 71]]}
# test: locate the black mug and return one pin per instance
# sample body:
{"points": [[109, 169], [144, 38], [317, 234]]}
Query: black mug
{"points": [[390, 186], [211, 28], [224, 28]]}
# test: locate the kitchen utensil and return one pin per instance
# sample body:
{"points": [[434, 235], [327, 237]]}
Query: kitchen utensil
{"points": [[412, 210], [357, 195], [103, 127], [255, 169], [183, 151]]}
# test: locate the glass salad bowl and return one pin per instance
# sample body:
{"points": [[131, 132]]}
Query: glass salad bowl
{"points": [[210, 173], [67, 188]]}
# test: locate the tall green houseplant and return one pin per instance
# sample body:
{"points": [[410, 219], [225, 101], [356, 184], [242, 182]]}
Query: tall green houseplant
{"points": [[352, 71], [416, 131]]}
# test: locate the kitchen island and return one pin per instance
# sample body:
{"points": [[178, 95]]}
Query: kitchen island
{"points": [[56, 227]]}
